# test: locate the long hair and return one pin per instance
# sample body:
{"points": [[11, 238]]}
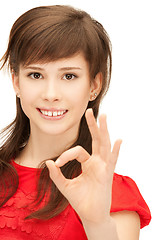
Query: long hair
{"points": [[45, 34]]}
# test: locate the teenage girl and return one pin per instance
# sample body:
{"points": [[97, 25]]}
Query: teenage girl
{"points": [[57, 166]]}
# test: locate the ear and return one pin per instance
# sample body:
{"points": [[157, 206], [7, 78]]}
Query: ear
{"points": [[15, 82], [96, 86]]}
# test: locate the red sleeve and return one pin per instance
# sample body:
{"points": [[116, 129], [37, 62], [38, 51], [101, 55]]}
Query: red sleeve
{"points": [[126, 196]]}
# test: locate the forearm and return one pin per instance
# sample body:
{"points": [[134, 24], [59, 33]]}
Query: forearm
{"points": [[104, 231]]}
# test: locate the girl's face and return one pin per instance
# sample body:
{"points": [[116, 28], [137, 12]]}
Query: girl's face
{"points": [[55, 95]]}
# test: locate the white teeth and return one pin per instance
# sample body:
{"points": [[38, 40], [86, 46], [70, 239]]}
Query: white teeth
{"points": [[54, 114], [50, 114], [42, 111]]}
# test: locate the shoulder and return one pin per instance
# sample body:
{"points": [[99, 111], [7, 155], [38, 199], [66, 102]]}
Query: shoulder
{"points": [[127, 197]]}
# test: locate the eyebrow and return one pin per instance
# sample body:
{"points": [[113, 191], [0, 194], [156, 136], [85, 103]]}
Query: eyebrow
{"points": [[60, 69], [34, 68], [69, 68]]}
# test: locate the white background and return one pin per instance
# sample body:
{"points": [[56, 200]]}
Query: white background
{"points": [[132, 103]]}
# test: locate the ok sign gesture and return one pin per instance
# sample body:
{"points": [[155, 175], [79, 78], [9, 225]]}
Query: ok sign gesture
{"points": [[89, 193]]}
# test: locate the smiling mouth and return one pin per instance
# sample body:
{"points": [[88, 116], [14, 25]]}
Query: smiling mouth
{"points": [[53, 113]]}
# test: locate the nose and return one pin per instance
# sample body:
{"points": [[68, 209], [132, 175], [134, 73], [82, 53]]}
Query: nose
{"points": [[51, 91]]}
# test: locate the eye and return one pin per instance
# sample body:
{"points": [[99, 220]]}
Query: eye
{"points": [[35, 75], [69, 76]]}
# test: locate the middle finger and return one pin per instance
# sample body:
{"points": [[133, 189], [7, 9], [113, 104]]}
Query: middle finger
{"points": [[94, 130]]}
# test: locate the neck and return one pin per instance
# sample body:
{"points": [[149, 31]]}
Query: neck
{"points": [[41, 147]]}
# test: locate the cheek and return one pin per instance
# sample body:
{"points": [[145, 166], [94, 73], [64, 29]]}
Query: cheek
{"points": [[27, 99], [79, 99], [25, 104], [80, 93], [28, 92]]}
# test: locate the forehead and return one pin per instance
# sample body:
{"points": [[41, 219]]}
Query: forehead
{"points": [[76, 61]]}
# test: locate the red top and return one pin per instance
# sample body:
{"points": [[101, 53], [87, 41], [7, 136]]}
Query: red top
{"points": [[67, 225]]}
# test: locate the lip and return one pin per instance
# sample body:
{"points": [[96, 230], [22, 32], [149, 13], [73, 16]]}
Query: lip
{"points": [[52, 110]]}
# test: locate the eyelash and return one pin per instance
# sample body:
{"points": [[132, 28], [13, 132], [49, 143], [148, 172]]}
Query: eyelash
{"points": [[32, 75], [69, 74]]}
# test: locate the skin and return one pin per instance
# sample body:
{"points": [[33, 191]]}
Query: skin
{"points": [[51, 90], [94, 186], [51, 138]]}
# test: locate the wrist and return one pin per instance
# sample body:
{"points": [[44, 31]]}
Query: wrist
{"points": [[105, 229]]}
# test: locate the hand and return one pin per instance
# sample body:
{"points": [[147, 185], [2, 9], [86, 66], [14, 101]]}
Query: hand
{"points": [[90, 192]]}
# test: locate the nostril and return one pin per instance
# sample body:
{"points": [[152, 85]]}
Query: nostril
{"points": [[51, 97]]}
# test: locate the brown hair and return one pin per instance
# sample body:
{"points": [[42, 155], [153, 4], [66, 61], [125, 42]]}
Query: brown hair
{"points": [[46, 34]]}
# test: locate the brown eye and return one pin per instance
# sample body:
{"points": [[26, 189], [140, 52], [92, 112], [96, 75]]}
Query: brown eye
{"points": [[35, 75], [69, 76]]}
